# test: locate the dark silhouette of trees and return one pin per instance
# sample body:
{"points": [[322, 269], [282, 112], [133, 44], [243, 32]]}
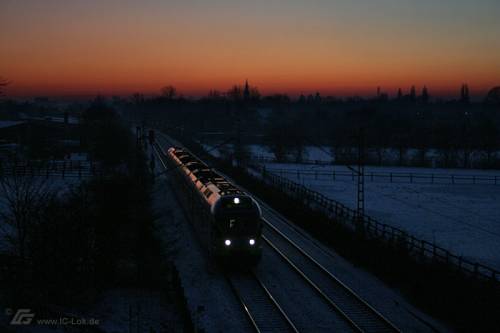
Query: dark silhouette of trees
{"points": [[138, 98], [464, 94], [317, 98], [235, 93], [493, 97], [413, 94], [168, 92], [214, 95], [403, 130], [66, 245], [3, 83], [277, 139], [103, 134], [425, 95], [98, 112], [247, 93], [488, 138], [23, 200], [400, 94]]}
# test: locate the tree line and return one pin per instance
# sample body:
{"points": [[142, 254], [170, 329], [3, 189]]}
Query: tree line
{"points": [[64, 244], [457, 132]]}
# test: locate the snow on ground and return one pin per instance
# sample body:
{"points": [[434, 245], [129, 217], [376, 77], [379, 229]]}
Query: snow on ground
{"points": [[325, 154], [311, 153], [259, 151], [124, 310], [56, 184], [9, 123], [464, 219], [83, 157], [212, 305], [71, 119], [117, 311], [389, 302]]}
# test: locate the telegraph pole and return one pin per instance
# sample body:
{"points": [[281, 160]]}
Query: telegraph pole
{"points": [[138, 135], [361, 176]]}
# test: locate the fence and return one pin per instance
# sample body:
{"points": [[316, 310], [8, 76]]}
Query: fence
{"points": [[421, 249], [392, 177], [267, 159], [64, 169]]}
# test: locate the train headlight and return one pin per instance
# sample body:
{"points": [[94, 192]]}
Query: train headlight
{"points": [[236, 201], [251, 241], [227, 242]]}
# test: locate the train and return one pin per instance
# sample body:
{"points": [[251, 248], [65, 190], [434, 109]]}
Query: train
{"points": [[227, 220]]}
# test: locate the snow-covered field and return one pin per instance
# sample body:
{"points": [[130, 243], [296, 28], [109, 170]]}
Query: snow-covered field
{"points": [[464, 219]]}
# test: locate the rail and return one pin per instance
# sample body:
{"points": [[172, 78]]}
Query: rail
{"points": [[372, 228], [359, 314], [259, 304], [391, 177]]}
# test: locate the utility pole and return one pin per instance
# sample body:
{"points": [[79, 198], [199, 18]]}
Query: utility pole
{"points": [[138, 135], [237, 137], [361, 176], [238, 148]]}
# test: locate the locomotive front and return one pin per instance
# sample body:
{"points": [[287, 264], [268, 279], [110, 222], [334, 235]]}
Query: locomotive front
{"points": [[237, 226]]}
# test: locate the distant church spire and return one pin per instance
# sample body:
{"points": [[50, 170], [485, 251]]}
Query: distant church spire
{"points": [[246, 92]]}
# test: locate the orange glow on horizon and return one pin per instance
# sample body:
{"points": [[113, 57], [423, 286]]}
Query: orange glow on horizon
{"points": [[88, 48]]}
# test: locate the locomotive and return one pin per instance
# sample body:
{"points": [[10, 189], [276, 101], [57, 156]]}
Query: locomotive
{"points": [[227, 220]]}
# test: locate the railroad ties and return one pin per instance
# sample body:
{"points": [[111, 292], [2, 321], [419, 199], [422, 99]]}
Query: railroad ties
{"points": [[261, 308], [350, 306]]}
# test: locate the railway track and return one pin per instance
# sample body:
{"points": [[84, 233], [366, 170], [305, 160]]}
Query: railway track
{"points": [[359, 314], [259, 305], [261, 308]]}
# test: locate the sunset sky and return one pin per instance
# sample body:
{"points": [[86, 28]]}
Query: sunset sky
{"points": [[339, 47]]}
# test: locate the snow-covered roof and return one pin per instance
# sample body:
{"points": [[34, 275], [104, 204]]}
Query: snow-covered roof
{"points": [[9, 123]]}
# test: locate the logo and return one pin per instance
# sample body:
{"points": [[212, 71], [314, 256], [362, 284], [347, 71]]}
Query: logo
{"points": [[22, 317]]}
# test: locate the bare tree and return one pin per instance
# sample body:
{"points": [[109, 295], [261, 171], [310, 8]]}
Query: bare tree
{"points": [[3, 83], [22, 199], [168, 92], [235, 93]]}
